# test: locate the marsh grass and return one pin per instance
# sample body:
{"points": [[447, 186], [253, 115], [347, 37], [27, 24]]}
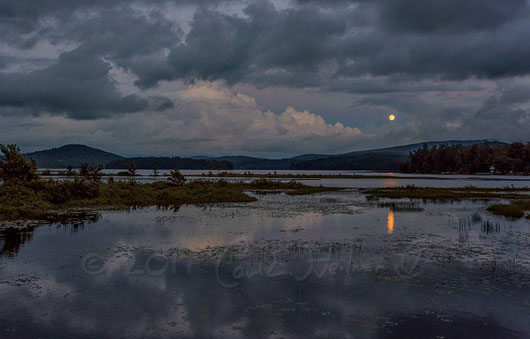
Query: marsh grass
{"points": [[442, 193], [515, 209], [395, 206], [37, 199]]}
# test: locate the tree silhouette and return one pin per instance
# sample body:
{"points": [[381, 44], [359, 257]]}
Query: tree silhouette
{"points": [[468, 160], [132, 169], [14, 167], [176, 178]]}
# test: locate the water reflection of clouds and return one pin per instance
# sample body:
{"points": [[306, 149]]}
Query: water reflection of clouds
{"points": [[184, 302], [180, 304]]}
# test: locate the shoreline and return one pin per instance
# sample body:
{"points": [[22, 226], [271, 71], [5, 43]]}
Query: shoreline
{"points": [[478, 177], [41, 198]]}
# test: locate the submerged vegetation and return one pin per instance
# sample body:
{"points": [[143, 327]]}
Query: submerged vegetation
{"points": [[24, 195]]}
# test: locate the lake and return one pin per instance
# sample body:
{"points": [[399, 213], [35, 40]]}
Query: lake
{"points": [[330, 265], [388, 179]]}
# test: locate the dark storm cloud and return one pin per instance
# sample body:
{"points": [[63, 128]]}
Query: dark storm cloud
{"points": [[77, 85], [267, 46], [506, 106], [305, 46], [449, 15], [310, 46], [370, 46], [24, 17], [4, 61]]}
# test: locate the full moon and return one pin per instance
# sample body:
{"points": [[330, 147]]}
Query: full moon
{"points": [[391, 117]]}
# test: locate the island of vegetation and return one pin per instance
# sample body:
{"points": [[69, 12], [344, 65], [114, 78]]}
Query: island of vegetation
{"points": [[478, 158], [519, 197], [23, 195]]}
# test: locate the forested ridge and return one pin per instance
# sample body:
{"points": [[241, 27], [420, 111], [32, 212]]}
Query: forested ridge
{"points": [[482, 158], [170, 163]]}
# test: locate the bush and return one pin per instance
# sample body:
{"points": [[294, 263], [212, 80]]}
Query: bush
{"points": [[92, 173], [14, 167], [176, 178], [61, 192], [132, 169]]}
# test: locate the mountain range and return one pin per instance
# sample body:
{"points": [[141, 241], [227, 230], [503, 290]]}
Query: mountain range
{"points": [[388, 158]]}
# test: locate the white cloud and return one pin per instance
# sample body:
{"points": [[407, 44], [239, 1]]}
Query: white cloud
{"points": [[208, 118]]}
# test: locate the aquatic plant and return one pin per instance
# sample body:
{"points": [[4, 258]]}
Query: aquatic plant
{"points": [[515, 209], [443, 193]]}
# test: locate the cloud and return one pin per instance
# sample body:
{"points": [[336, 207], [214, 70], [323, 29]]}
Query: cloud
{"points": [[306, 45], [506, 112], [209, 118], [439, 64], [449, 15], [312, 47], [78, 86]]}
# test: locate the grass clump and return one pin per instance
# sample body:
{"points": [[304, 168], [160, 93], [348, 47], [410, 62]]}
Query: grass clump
{"points": [[312, 190], [442, 193], [515, 209], [292, 187]]}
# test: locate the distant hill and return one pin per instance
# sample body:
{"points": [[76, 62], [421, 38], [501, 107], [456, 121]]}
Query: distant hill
{"points": [[406, 149], [377, 161], [386, 159], [73, 155], [170, 163], [242, 162]]}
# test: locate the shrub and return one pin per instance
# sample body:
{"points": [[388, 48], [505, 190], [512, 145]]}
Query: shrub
{"points": [[92, 173], [132, 169], [176, 178], [70, 171], [14, 167], [61, 192]]}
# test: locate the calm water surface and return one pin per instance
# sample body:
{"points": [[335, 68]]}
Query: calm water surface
{"points": [[389, 180], [330, 265]]}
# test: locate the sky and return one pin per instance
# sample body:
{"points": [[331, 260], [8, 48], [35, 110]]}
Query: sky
{"points": [[262, 78]]}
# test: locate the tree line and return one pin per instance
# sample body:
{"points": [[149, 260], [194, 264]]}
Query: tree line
{"points": [[170, 163], [480, 158]]}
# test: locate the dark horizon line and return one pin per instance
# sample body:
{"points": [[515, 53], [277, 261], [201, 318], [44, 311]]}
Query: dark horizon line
{"points": [[283, 158]]}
